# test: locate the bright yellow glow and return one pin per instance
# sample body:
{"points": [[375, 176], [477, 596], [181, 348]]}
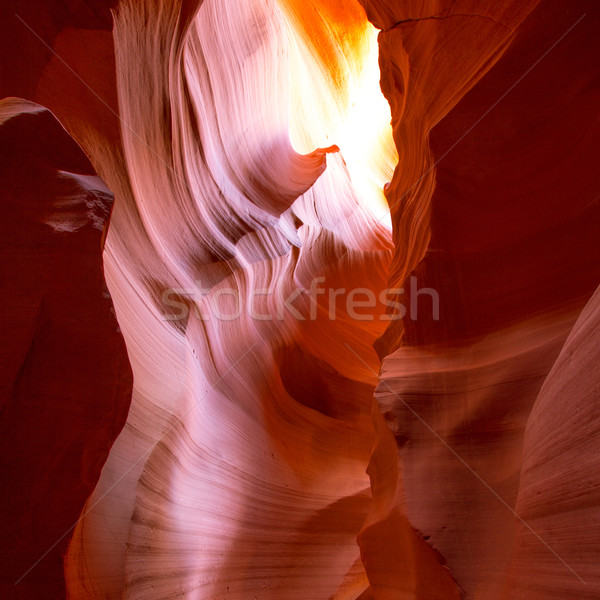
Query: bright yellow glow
{"points": [[347, 109]]}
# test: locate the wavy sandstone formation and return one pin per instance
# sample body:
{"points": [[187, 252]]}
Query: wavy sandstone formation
{"points": [[287, 435]]}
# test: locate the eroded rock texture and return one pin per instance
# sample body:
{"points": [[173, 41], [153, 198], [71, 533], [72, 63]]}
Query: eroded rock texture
{"points": [[270, 451], [241, 471]]}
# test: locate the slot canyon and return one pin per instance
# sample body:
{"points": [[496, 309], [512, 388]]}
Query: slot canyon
{"points": [[300, 299]]}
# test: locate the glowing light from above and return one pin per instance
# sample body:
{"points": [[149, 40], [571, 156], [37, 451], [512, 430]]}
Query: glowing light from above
{"points": [[341, 103]]}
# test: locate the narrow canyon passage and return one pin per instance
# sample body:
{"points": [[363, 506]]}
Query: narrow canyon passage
{"points": [[300, 300], [263, 408]]}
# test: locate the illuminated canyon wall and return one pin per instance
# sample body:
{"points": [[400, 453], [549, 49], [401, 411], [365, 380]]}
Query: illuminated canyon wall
{"points": [[364, 357]]}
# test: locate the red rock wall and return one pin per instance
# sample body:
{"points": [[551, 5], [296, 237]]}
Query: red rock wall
{"points": [[65, 377], [495, 206], [558, 496]]}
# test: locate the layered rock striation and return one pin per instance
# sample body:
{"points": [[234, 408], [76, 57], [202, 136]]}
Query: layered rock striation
{"points": [[281, 442]]}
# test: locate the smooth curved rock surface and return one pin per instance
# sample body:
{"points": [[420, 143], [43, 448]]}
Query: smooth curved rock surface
{"points": [[246, 144], [237, 474], [558, 488]]}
